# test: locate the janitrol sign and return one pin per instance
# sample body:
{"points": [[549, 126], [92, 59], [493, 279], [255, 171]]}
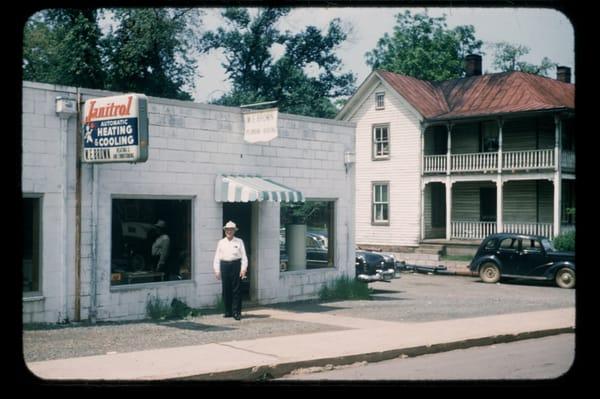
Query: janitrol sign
{"points": [[115, 129]]}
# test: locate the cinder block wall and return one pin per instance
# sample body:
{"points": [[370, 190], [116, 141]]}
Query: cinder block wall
{"points": [[189, 145]]}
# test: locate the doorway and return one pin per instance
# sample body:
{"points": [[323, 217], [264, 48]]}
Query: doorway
{"points": [[487, 204], [241, 214]]}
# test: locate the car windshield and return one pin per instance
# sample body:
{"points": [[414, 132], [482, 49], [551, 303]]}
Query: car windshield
{"points": [[548, 245]]}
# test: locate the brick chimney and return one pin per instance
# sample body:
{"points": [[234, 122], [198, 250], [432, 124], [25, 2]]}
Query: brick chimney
{"points": [[563, 74], [472, 65]]}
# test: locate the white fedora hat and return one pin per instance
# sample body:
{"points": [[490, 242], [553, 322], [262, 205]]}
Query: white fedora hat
{"points": [[230, 225]]}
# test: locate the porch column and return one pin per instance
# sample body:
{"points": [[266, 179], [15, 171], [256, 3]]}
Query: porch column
{"points": [[500, 125], [422, 210], [557, 174], [499, 182], [499, 204], [449, 184], [421, 169], [449, 150], [448, 208]]}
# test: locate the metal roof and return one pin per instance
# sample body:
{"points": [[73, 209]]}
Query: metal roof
{"points": [[489, 94]]}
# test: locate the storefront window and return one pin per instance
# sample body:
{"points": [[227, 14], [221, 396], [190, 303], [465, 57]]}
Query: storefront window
{"points": [[306, 236], [151, 240], [31, 245]]}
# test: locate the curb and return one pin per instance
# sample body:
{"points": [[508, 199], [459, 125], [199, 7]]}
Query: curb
{"points": [[268, 372]]}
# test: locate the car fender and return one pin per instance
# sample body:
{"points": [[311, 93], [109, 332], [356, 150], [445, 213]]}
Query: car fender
{"points": [[551, 272], [488, 258]]}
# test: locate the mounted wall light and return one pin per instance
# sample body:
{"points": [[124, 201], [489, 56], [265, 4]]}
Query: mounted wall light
{"points": [[66, 107], [349, 159]]}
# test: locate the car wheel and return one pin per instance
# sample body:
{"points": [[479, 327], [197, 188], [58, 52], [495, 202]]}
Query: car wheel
{"points": [[489, 273], [565, 278]]}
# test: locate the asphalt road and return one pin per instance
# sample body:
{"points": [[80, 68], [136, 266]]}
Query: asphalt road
{"points": [[542, 358]]}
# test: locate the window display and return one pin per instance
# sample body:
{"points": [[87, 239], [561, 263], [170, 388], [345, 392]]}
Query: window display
{"points": [[306, 235], [151, 240]]}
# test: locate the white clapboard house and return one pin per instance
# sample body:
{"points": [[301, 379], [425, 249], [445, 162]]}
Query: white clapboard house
{"points": [[459, 159]]}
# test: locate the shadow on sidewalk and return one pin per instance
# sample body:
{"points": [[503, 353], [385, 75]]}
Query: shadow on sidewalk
{"points": [[192, 326]]}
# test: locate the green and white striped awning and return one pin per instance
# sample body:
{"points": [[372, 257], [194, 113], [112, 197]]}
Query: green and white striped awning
{"points": [[253, 188]]}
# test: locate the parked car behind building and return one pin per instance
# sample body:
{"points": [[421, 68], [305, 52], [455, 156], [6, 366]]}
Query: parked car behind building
{"points": [[523, 256], [375, 266]]}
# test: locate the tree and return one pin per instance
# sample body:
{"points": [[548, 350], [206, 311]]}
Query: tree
{"points": [[423, 47], [150, 51], [506, 58], [62, 46], [303, 80]]}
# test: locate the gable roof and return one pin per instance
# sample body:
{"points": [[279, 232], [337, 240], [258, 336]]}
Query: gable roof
{"points": [[490, 94]]}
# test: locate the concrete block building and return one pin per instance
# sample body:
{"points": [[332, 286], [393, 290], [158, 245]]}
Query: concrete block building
{"points": [[88, 227]]}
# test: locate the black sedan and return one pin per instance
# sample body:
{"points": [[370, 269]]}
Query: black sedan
{"points": [[523, 256], [375, 266]]}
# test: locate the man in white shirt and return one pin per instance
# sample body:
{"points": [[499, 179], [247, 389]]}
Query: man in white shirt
{"points": [[230, 265], [160, 247]]}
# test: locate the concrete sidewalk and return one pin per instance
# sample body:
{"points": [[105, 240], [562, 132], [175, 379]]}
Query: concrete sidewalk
{"points": [[364, 340]]}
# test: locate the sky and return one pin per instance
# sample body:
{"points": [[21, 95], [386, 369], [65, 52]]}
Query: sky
{"points": [[547, 33]]}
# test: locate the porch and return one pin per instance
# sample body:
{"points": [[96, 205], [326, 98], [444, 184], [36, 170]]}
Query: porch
{"points": [[525, 207]]}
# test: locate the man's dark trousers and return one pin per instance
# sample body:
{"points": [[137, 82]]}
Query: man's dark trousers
{"points": [[232, 287]]}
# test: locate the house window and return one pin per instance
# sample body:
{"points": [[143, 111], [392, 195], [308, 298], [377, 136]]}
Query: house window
{"points": [[381, 203], [381, 142], [314, 220], [145, 250], [379, 100], [32, 245]]}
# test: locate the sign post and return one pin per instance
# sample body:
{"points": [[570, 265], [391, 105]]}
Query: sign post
{"points": [[115, 129]]}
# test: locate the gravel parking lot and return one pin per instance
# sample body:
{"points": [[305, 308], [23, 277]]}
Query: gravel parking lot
{"points": [[411, 298]]}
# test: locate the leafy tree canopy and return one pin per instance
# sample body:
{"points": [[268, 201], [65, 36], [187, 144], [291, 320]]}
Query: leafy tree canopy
{"points": [[506, 58], [61, 46], [146, 50], [150, 51], [304, 79], [423, 47]]}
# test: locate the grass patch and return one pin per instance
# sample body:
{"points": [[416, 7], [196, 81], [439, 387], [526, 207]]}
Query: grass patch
{"points": [[345, 288], [158, 309], [219, 306]]}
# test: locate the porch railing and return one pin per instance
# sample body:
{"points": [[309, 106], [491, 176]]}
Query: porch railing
{"points": [[435, 164], [471, 230], [479, 162], [540, 229], [534, 159], [488, 161]]}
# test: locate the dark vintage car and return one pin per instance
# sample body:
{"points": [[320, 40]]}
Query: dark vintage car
{"points": [[375, 266], [523, 256], [317, 254]]}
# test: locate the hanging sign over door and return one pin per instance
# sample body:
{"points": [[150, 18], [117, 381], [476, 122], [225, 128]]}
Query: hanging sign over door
{"points": [[260, 125], [115, 129]]}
